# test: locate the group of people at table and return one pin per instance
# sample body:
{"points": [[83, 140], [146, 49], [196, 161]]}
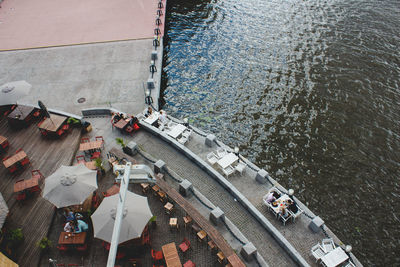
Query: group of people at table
{"points": [[283, 205], [125, 123], [74, 232]]}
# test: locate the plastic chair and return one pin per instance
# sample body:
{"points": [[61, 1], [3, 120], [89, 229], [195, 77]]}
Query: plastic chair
{"points": [[36, 174], [18, 150], [100, 138], [318, 252], [80, 159], [185, 245], [21, 196], [44, 132], [65, 127], [60, 132], [350, 264], [183, 140], [228, 171], [62, 248], [157, 255], [12, 169], [96, 155], [221, 152], [85, 140], [189, 263], [240, 167], [82, 248], [25, 161], [328, 245]]}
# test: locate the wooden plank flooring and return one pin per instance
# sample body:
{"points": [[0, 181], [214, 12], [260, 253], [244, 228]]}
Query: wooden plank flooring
{"points": [[196, 216], [34, 215]]}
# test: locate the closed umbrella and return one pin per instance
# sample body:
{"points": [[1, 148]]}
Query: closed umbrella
{"points": [[136, 215], [11, 92], [70, 185], [6, 262], [3, 210]]}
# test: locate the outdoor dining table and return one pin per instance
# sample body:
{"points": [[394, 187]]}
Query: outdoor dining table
{"points": [[20, 115], [93, 145], [121, 124], [152, 118], [335, 257], [227, 160], [67, 238], [176, 131], [281, 203], [26, 184], [14, 159], [53, 123], [171, 255]]}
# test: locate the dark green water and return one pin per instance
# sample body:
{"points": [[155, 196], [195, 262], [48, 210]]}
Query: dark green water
{"points": [[309, 91]]}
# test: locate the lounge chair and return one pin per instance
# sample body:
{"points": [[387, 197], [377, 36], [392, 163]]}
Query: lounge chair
{"points": [[240, 167], [318, 252], [228, 171], [328, 245], [212, 158]]}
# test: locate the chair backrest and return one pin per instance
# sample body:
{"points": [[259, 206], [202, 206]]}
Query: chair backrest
{"points": [[328, 245], [18, 150], [99, 138], [186, 241], [85, 140], [317, 251]]}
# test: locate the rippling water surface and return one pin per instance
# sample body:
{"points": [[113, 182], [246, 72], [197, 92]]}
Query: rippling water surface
{"points": [[309, 91]]}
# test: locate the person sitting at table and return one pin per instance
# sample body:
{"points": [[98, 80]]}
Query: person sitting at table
{"points": [[163, 120], [81, 226], [69, 226], [69, 215], [276, 194], [292, 206], [148, 112], [284, 213], [133, 120], [117, 117], [271, 198]]}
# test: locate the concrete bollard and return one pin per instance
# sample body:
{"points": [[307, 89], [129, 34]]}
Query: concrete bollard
{"points": [[217, 215], [248, 251], [262, 176], [154, 55], [210, 139], [185, 187], [150, 83], [315, 224], [131, 148], [159, 166]]}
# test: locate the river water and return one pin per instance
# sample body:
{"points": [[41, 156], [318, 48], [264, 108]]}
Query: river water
{"points": [[309, 91]]}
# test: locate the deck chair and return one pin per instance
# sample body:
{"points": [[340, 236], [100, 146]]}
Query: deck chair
{"points": [[183, 140], [228, 171], [318, 252], [297, 214], [328, 245], [350, 264], [212, 158], [240, 167], [221, 152]]}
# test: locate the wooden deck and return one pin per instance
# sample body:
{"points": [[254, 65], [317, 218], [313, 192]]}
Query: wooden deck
{"points": [[198, 218], [34, 215]]}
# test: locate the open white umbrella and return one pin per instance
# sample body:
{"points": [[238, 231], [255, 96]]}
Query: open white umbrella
{"points": [[135, 217], [70, 185], [11, 92], [3, 210]]}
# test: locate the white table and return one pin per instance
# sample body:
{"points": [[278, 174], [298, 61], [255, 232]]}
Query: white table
{"points": [[227, 160], [281, 203], [152, 118], [335, 257], [176, 131]]}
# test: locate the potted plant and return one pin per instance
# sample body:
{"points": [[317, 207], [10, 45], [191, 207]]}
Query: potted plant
{"points": [[14, 238], [44, 244], [99, 165], [73, 122], [121, 142]]}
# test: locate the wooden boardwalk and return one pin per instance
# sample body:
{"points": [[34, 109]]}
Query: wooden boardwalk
{"points": [[199, 219], [34, 215]]}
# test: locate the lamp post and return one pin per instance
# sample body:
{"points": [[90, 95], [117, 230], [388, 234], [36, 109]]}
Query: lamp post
{"points": [[348, 248], [186, 122], [236, 150], [290, 192]]}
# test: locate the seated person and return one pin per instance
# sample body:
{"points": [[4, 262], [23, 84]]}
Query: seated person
{"points": [[81, 226], [270, 197], [163, 117], [148, 112], [69, 215], [133, 120], [78, 216], [116, 117], [276, 194], [292, 206], [69, 226], [284, 213]]}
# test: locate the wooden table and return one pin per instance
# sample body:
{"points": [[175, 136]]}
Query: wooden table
{"points": [[73, 239], [227, 160], [168, 207], [235, 261], [20, 113], [121, 124], [171, 255], [112, 190], [90, 145], [14, 159], [53, 123], [145, 187], [173, 223], [221, 256], [25, 184]]}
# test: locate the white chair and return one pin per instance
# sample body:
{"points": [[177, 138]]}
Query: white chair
{"points": [[183, 140], [186, 133], [240, 167], [318, 252], [328, 245], [297, 214], [212, 158], [221, 152], [171, 124], [228, 171], [350, 264], [283, 219]]}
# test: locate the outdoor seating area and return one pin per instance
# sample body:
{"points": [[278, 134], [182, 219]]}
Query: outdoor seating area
{"points": [[125, 123], [54, 126], [328, 254], [226, 162], [282, 205]]}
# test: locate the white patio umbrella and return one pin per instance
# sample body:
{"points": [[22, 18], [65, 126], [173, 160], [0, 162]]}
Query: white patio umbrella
{"points": [[11, 92], [3, 210], [70, 185], [135, 217]]}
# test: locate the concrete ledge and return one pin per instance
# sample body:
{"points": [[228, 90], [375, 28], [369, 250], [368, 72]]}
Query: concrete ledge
{"points": [[282, 241]]}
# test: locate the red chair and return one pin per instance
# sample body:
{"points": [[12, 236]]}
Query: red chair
{"points": [[136, 127], [36, 174], [65, 127], [44, 132], [6, 158], [82, 248], [40, 123], [21, 196], [120, 255], [95, 155], [62, 248], [157, 255], [106, 245], [185, 245], [80, 159], [25, 161], [5, 145], [189, 263], [36, 114], [100, 138], [12, 169], [85, 140], [60, 132], [19, 150], [129, 129]]}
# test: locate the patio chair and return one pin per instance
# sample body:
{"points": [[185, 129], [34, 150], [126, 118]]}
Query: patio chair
{"points": [[5, 145], [186, 133], [82, 248], [318, 252], [221, 152], [62, 248], [44, 132], [212, 158], [95, 155], [284, 219], [297, 214], [80, 159], [185, 245], [228, 171], [349, 264], [12, 168], [18, 150], [183, 140], [20, 196], [25, 161], [157, 255], [85, 140], [65, 127], [100, 138], [328, 245], [240, 167], [36, 174]]}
